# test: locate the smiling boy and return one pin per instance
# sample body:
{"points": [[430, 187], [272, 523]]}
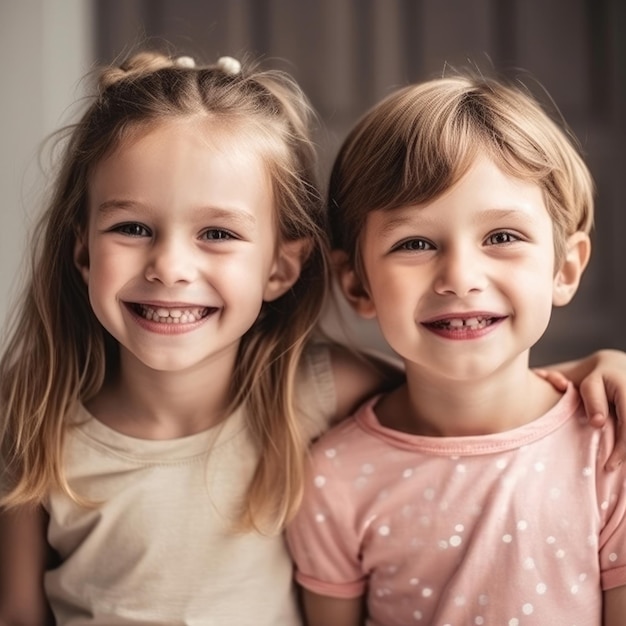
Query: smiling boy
{"points": [[471, 494]]}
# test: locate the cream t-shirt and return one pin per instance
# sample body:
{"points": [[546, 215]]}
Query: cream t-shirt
{"points": [[160, 549]]}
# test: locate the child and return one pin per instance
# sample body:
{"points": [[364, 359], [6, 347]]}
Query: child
{"points": [[469, 495], [151, 448]]}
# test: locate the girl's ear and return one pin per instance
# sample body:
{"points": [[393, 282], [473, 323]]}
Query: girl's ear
{"points": [[81, 255], [290, 257], [567, 278], [352, 287]]}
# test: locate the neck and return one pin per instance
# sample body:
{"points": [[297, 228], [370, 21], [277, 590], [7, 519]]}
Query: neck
{"points": [[432, 406], [150, 404]]}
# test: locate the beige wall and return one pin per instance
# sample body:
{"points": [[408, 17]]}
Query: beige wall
{"points": [[45, 47]]}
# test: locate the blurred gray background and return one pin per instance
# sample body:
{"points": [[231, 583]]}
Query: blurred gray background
{"points": [[346, 54]]}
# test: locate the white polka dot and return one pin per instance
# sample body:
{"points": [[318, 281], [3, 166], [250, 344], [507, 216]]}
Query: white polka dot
{"points": [[514, 622], [522, 524], [541, 588], [319, 481], [587, 471], [367, 468], [613, 557], [459, 600], [574, 589], [559, 554], [455, 541], [407, 473], [483, 599], [591, 540], [414, 582], [427, 592], [443, 544], [360, 482], [529, 563], [429, 494], [604, 506], [527, 609], [384, 530], [459, 528], [461, 469], [330, 453], [539, 466], [507, 538], [550, 540], [582, 577], [501, 463], [417, 615], [320, 517], [479, 620]]}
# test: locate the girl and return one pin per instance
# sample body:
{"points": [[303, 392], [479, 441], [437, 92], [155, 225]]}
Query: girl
{"points": [[152, 450]]}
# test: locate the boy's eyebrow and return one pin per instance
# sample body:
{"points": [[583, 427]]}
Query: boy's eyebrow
{"points": [[245, 218], [406, 216]]}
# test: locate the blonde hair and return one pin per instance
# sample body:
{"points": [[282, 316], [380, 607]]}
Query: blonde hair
{"points": [[58, 354], [420, 140]]}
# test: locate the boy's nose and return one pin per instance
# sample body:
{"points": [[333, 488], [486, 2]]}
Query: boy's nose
{"points": [[172, 260], [460, 273]]}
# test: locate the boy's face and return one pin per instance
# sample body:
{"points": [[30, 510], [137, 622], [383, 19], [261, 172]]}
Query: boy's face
{"points": [[465, 284]]}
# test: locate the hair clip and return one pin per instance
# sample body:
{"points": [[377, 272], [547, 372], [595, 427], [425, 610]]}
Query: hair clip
{"points": [[229, 65], [185, 61]]}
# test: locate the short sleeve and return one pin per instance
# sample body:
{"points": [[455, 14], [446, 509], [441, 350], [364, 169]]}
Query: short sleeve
{"points": [[611, 490], [322, 538], [316, 400]]}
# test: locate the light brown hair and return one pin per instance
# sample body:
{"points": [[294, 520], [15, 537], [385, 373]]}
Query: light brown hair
{"points": [[420, 140], [58, 354]]}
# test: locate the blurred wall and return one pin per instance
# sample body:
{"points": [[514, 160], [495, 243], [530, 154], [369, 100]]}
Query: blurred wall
{"points": [[45, 47]]}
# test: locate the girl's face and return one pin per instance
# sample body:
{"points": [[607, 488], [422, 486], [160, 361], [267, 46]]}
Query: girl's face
{"points": [[180, 249], [463, 285]]}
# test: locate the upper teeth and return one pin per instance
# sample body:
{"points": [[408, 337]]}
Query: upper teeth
{"points": [[172, 316], [472, 322]]}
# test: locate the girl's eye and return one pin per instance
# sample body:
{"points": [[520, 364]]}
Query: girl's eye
{"points": [[501, 238], [217, 234], [415, 245], [132, 230]]}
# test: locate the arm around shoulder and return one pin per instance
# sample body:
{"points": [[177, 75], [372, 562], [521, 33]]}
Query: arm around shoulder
{"points": [[358, 376], [25, 554]]}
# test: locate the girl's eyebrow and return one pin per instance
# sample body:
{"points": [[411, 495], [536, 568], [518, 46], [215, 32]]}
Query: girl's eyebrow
{"points": [[232, 214]]}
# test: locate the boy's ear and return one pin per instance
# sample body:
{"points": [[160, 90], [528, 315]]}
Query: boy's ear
{"points": [[81, 255], [352, 287], [290, 257], [567, 278]]}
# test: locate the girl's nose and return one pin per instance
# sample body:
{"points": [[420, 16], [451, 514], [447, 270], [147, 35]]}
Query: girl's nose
{"points": [[172, 261], [460, 273]]}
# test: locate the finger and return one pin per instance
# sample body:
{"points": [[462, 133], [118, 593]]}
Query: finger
{"points": [[594, 397], [556, 379]]}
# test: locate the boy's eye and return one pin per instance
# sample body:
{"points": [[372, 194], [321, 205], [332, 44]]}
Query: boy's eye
{"points": [[217, 234], [501, 238], [414, 245], [132, 230]]}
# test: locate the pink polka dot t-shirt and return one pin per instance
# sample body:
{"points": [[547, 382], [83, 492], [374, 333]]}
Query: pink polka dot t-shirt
{"points": [[516, 528]]}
